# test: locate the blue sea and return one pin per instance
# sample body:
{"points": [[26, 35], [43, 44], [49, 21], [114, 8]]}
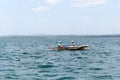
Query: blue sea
{"points": [[28, 58]]}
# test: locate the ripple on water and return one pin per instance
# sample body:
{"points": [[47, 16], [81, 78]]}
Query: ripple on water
{"points": [[66, 78], [46, 66], [25, 53], [11, 76], [50, 75], [103, 77], [97, 69]]}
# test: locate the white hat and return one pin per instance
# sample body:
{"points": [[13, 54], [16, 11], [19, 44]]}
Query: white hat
{"points": [[72, 41], [59, 41]]}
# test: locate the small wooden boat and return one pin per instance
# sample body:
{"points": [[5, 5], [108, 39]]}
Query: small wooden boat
{"points": [[81, 47]]}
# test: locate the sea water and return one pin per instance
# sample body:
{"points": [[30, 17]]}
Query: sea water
{"points": [[28, 58]]}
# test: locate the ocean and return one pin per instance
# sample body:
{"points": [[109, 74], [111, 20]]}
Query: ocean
{"points": [[28, 58]]}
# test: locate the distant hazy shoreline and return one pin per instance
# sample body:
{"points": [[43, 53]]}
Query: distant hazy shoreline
{"points": [[118, 35]]}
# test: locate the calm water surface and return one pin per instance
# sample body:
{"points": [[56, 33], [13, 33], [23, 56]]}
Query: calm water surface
{"points": [[28, 58]]}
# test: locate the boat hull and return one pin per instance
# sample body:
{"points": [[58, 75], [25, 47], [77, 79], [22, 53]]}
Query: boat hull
{"points": [[83, 47]]}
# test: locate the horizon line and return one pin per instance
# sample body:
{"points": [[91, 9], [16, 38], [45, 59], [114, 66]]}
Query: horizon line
{"points": [[63, 35]]}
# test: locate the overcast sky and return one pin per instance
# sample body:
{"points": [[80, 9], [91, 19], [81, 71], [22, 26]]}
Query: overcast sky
{"points": [[59, 17]]}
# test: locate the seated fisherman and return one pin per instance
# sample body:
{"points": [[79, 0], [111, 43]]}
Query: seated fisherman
{"points": [[60, 44], [73, 43]]}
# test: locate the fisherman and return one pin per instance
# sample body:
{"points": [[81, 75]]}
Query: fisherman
{"points": [[73, 43], [60, 44]]}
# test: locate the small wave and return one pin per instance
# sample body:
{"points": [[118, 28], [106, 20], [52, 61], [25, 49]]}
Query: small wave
{"points": [[11, 76], [46, 66], [96, 68], [103, 77], [24, 53], [50, 75], [66, 78]]}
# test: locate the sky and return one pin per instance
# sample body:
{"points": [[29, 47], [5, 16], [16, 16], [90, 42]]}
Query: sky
{"points": [[59, 17]]}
